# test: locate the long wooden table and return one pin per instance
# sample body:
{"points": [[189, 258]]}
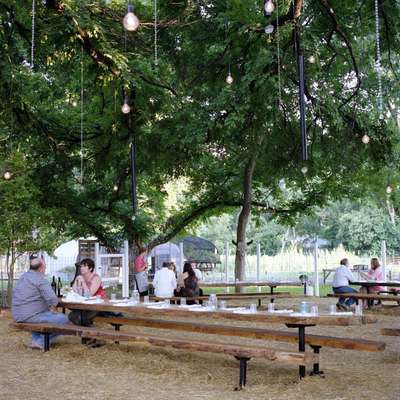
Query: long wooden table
{"points": [[368, 284], [299, 322], [271, 284]]}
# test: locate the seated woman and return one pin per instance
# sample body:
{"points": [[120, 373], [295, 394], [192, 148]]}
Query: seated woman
{"points": [[88, 283], [375, 273], [187, 284]]}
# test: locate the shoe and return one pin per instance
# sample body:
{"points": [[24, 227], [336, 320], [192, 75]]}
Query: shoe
{"points": [[341, 307], [35, 346]]}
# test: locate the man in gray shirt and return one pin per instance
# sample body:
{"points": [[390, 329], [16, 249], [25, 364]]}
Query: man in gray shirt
{"points": [[34, 301]]}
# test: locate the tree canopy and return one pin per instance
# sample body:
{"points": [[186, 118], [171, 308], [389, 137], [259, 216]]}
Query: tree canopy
{"points": [[188, 124]]}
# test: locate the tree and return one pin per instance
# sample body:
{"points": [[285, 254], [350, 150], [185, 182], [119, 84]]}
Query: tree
{"points": [[232, 144], [26, 225]]}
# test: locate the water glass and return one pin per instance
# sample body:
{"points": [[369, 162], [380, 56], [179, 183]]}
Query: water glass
{"points": [[271, 307], [359, 309], [304, 307], [222, 304], [113, 296], [314, 310], [167, 302], [183, 301], [253, 308], [332, 308], [146, 299]]}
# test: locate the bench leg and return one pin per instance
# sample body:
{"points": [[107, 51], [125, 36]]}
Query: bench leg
{"points": [[316, 370], [83, 319], [302, 348], [117, 328], [46, 341], [242, 372]]}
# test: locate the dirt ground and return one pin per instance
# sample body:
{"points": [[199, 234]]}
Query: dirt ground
{"points": [[71, 371]]}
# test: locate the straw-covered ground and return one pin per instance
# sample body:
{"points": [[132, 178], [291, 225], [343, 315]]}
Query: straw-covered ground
{"points": [[71, 371]]}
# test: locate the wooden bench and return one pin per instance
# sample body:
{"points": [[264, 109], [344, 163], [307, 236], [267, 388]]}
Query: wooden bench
{"points": [[240, 352], [233, 296], [366, 296], [316, 342], [390, 331]]}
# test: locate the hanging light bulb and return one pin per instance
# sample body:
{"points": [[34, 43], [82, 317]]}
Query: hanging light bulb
{"points": [[229, 79], [125, 107], [115, 188], [269, 7], [389, 189], [311, 59], [365, 139], [7, 175], [304, 169], [269, 29], [130, 21]]}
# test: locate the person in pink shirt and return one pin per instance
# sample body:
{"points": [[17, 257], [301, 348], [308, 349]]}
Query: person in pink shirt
{"points": [[375, 273], [140, 272]]}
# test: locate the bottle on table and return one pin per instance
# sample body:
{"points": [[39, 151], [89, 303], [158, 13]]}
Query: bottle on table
{"points": [[54, 284], [59, 287], [135, 296]]}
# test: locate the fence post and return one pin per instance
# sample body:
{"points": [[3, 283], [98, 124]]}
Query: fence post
{"points": [[258, 265], [125, 270], [97, 258], [316, 274], [181, 257], [226, 264], [383, 258]]}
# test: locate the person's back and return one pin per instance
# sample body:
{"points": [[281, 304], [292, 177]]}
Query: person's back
{"points": [[340, 284], [32, 295], [164, 282], [342, 276], [35, 302]]}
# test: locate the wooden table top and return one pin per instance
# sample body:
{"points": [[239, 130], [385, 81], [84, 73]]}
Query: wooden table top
{"points": [[261, 316], [247, 283], [375, 283]]}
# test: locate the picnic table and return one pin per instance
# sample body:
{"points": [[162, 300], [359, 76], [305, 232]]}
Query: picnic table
{"points": [[297, 321], [368, 284], [271, 284]]}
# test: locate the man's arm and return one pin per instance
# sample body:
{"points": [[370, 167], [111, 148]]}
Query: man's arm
{"points": [[47, 292]]}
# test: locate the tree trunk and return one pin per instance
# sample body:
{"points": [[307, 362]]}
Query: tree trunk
{"points": [[240, 255], [10, 265]]}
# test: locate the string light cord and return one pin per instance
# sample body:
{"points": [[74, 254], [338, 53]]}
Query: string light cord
{"points": [[155, 34], [82, 93], [33, 34], [278, 54], [378, 62]]}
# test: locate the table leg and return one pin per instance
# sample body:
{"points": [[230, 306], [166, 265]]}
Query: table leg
{"points": [[302, 348]]}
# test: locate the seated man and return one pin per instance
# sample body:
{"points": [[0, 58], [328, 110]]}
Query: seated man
{"points": [[164, 282], [34, 301], [341, 280]]}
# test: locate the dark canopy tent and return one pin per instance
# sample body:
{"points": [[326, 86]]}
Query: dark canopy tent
{"points": [[200, 252]]}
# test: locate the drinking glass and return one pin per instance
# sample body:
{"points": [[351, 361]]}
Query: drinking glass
{"points": [[146, 299], [113, 296], [222, 304], [359, 310], [332, 308], [271, 307], [253, 308], [314, 310], [183, 301], [167, 302], [304, 307]]}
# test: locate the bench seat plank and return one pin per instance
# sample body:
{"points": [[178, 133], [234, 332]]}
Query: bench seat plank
{"points": [[188, 345], [255, 333], [366, 296], [390, 331]]}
